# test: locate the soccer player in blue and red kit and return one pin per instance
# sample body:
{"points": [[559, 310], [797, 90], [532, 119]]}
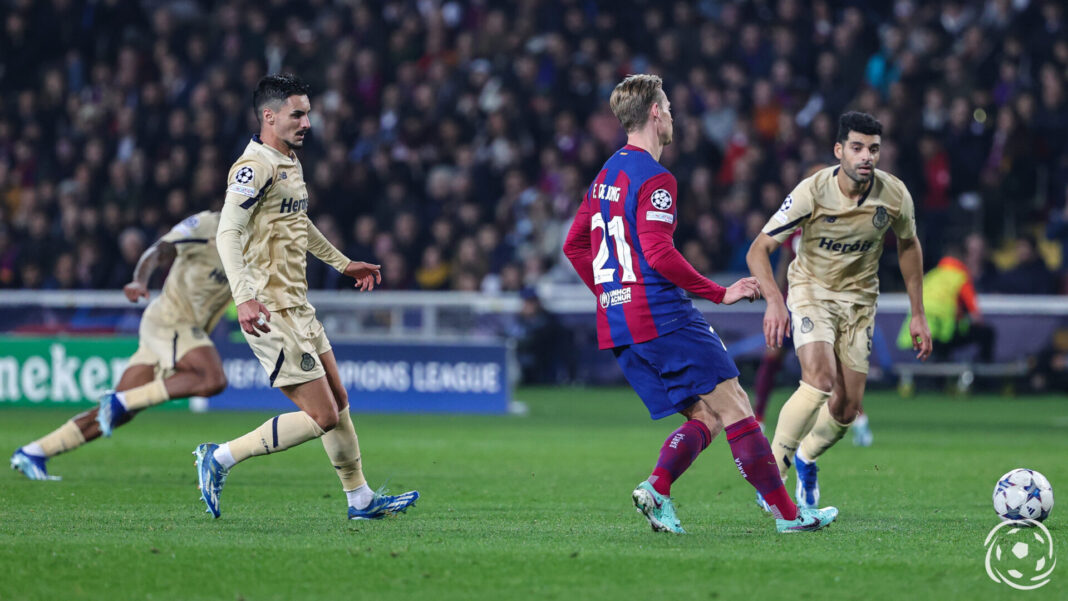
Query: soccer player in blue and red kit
{"points": [[621, 245]]}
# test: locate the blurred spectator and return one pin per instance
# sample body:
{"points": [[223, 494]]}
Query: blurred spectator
{"points": [[542, 345], [474, 127], [1030, 274]]}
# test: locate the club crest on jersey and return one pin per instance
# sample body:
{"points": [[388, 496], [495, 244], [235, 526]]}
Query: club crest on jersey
{"points": [[306, 362], [806, 325], [880, 218], [661, 199], [611, 298], [244, 175]]}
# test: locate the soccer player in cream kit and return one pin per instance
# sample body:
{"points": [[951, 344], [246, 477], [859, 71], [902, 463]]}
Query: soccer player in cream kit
{"points": [[845, 211], [620, 243], [263, 239], [174, 358]]}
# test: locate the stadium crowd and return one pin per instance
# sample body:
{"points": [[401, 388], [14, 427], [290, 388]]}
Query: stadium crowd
{"points": [[452, 140]]}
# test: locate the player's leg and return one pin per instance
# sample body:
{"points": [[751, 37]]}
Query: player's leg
{"points": [[30, 459], [799, 413], [343, 448], [652, 496], [728, 404], [770, 364], [852, 351], [198, 371], [831, 425], [836, 416], [318, 413]]}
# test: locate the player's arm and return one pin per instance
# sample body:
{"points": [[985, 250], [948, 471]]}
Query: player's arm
{"points": [[793, 213], [776, 317], [160, 253], [365, 274], [910, 260], [656, 225], [577, 245], [249, 181]]}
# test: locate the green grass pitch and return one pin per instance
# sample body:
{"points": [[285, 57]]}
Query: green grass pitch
{"points": [[523, 508]]}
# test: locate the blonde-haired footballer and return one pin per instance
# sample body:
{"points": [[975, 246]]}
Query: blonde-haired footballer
{"points": [[174, 357], [845, 211], [264, 237]]}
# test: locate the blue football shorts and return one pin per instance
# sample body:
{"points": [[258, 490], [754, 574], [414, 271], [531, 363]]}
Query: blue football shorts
{"points": [[670, 372]]}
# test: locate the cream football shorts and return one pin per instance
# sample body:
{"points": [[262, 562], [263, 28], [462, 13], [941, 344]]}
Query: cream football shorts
{"points": [[163, 345], [846, 326], [289, 353]]}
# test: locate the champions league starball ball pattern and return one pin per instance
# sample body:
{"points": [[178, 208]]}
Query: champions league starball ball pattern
{"points": [[1023, 494]]}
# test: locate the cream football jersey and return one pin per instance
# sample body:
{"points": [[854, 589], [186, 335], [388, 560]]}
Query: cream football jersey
{"points": [[842, 239], [267, 202], [195, 291]]}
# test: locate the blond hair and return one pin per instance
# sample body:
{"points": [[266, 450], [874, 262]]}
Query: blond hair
{"points": [[632, 98]]}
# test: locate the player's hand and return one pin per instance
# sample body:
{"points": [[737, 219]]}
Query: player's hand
{"points": [[253, 315], [776, 324], [134, 291], [921, 337], [365, 274], [745, 288]]}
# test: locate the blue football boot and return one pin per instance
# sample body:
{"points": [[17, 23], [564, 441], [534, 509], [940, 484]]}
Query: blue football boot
{"points": [[31, 466], [211, 475], [383, 505]]}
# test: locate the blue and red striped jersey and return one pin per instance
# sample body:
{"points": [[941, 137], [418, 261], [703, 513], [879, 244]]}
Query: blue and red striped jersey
{"points": [[620, 243]]}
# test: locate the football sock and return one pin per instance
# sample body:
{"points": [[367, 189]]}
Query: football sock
{"points": [[765, 382], [62, 439], [678, 453], [276, 434], [795, 420], [752, 455], [361, 497], [343, 449], [824, 434], [147, 395]]}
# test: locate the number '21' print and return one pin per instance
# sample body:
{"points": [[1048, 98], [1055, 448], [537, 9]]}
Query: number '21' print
{"points": [[618, 234]]}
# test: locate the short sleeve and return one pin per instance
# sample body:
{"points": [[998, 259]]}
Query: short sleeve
{"points": [[905, 224], [194, 228], [656, 204], [247, 181], [795, 209]]}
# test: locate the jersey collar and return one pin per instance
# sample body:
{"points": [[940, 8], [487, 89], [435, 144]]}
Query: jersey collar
{"points": [[256, 139], [871, 185]]}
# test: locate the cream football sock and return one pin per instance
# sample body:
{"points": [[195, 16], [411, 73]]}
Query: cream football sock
{"points": [[62, 439], [343, 448], [276, 434], [147, 395], [795, 420], [824, 434]]}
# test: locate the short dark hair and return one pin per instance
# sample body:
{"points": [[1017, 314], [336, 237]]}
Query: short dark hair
{"points": [[859, 122], [274, 89]]}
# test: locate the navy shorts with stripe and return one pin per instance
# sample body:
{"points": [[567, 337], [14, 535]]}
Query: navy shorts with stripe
{"points": [[671, 371]]}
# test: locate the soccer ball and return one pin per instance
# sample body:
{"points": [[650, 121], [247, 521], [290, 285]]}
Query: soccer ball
{"points": [[1023, 494]]}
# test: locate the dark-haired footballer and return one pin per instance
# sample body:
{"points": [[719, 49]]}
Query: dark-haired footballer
{"points": [[845, 211], [263, 240]]}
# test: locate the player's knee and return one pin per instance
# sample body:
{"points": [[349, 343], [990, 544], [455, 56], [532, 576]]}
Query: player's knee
{"points": [[821, 381], [327, 420], [212, 383], [341, 398]]}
